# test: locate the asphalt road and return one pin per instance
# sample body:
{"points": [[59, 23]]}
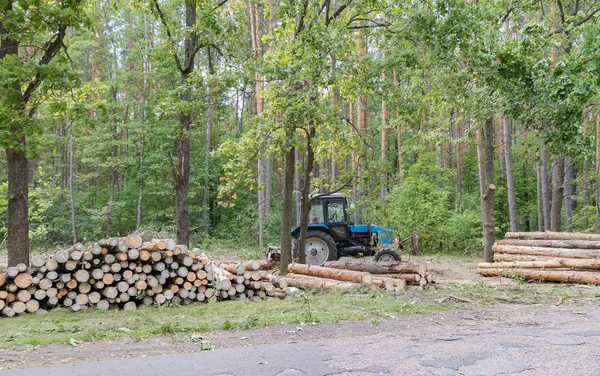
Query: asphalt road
{"points": [[514, 340]]}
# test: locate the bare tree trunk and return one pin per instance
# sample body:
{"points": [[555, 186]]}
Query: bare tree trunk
{"points": [[286, 206], [488, 193], [569, 192], [306, 202], [584, 186], [256, 46], [460, 153], [510, 179], [558, 177], [597, 177], [540, 194], [182, 172], [113, 178], [209, 121], [297, 184], [500, 142], [545, 189], [16, 165], [361, 114], [72, 200]]}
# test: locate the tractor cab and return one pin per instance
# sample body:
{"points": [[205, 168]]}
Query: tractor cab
{"points": [[331, 234]]}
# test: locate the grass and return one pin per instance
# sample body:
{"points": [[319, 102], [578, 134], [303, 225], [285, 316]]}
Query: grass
{"points": [[62, 326]]}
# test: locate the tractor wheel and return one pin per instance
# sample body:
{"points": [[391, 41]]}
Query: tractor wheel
{"points": [[387, 255], [319, 248]]}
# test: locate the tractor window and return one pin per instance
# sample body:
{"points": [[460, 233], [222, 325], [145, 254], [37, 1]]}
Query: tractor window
{"points": [[316, 213], [335, 212]]}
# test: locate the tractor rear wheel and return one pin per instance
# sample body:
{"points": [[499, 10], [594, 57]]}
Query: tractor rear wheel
{"points": [[319, 248], [387, 255]]}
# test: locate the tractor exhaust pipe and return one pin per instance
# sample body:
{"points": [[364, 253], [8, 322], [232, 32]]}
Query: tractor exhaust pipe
{"points": [[353, 249]]}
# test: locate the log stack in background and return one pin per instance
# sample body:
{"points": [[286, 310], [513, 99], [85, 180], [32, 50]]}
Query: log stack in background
{"points": [[124, 274], [547, 256]]}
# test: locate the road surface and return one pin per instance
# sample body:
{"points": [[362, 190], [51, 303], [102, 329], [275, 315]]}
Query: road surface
{"points": [[517, 339]]}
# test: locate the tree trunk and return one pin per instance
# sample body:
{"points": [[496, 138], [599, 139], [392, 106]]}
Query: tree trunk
{"points": [[286, 206], [558, 176], [597, 177], [384, 118], [460, 153], [584, 186], [17, 166], [71, 198], [306, 202], [540, 195], [569, 192], [488, 194], [298, 183], [111, 194], [209, 121], [510, 180], [545, 189]]}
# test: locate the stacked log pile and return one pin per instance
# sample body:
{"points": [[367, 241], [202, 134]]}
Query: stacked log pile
{"points": [[124, 274], [390, 276], [246, 280], [547, 256]]}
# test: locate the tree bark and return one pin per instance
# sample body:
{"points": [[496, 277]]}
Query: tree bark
{"points": [[488, 194], [286, 205], [584, 186], [545, 188], [71, 196], [17, 166], [547, 251], [384, 118], [510, 179], [306, 202], [597, 177], [460, 153], [558, 176], [208, 132], [569, 192], [298, 183], [540, 195]]}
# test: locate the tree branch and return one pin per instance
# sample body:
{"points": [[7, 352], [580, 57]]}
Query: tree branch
{"points": [[163, 21], [576, 24]]}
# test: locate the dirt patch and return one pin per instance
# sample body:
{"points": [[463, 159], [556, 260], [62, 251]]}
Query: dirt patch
{"points": [[452, 270]]}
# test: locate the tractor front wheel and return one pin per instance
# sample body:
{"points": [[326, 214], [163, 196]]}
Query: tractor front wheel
{"points": [[387, 255], [319, 248]]}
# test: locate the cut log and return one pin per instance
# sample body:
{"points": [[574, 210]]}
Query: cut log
{"points": [[51, 264], [38, 261], [411, 278], [307, 282], [82, 299], [133, 254], [32, 306], [24, 296], [76, 255], [331, 273], [133, 241], [515, 257], [549, 235], [2, 279], [61, 257], [581, 244], [23, 280], [12, 271], [103, 305], [18, 307], [376, 267], [545, 251], [592, 264], [568, 276], [82, 276]]}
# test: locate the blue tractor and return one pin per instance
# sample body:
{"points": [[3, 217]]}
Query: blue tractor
{"points": [[331, 235]]}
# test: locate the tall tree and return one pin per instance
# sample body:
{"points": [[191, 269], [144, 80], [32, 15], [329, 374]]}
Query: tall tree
{"points": [[22, 92]]}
